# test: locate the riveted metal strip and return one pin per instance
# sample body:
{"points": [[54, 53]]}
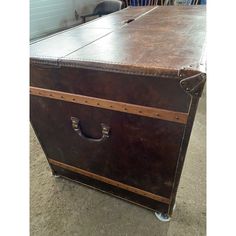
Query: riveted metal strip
{"points": [[178, 117]]}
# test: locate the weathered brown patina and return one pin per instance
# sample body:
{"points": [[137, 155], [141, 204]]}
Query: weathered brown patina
{"points": [[113, 101]]}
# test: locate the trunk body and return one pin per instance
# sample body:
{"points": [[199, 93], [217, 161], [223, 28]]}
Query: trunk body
{"points": [[113, 107]]}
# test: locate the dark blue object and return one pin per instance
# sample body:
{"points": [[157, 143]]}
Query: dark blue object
{"points": [[138, 2], [145, 2], [203, 2]]}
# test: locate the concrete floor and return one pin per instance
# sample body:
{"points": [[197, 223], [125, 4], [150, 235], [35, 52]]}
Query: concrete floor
{"points": [[60, 207]]}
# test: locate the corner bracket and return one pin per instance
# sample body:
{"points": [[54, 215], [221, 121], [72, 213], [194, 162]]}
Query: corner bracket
{"points": [[194, 85]]}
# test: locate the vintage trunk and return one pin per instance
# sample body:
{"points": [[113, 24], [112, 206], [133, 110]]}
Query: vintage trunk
{"points": [[113, 101]]}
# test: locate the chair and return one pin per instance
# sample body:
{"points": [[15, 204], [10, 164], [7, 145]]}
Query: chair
{"points": [[104, 8]]}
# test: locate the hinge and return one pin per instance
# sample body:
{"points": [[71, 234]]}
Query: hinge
{"points": [[194, 84]]}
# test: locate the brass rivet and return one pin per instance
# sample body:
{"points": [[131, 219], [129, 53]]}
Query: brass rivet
{"points": [[176, 117], [157, 114], [73, 99], [98, 104], [111, 106], [85, 101], [125, 108]]}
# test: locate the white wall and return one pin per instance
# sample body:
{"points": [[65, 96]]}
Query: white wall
{"points": [[47, 16]]}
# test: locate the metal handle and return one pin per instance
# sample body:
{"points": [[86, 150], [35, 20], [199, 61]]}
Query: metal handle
{"points": [[76, 127]]}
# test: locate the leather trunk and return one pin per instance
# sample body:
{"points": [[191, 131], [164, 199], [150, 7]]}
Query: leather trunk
{"points": [[113, 101]]}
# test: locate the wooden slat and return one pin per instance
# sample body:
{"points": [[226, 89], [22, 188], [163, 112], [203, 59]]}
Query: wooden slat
{"points": [[152, 112], [110, 181]]}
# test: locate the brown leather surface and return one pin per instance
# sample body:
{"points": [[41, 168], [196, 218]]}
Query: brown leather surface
{"points": [[117, 192], [117, 19], [65, 42], [141, 152], [156, 92], [165, 39], [141, 63]]}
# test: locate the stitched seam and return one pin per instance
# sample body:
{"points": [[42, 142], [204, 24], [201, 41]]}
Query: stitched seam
{"points": [[96, 67]]}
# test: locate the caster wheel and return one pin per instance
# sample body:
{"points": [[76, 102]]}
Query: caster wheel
{"points": [[55, 176], [162, 217], [174, 207]]}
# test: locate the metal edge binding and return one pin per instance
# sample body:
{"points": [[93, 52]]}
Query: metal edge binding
{"points": [[193, 84]]}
